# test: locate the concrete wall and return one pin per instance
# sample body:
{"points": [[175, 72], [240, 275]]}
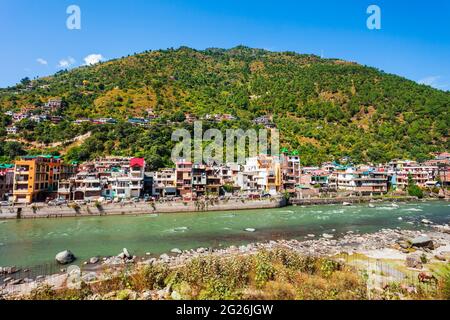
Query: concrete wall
{"points": [[135, 208]]}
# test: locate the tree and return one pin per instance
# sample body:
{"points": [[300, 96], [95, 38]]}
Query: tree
{"points": [[413, 189]]}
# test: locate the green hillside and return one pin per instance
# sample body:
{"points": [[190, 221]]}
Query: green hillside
{"points": [[325, 108]]}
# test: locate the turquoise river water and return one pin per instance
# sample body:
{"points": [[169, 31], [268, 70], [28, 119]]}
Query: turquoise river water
{"points": [[34, 242]]}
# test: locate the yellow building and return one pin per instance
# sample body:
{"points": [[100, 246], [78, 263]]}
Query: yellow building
{"points": [[37, 177]]}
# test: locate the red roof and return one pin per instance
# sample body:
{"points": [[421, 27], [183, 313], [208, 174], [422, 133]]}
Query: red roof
{"points": [[137, 162]]}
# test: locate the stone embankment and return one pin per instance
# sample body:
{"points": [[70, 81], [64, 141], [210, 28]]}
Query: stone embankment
{"points": [[348, 200], [131, 208]]}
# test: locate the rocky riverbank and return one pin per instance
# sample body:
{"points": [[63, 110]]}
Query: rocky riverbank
{"points": [[414, 249]]}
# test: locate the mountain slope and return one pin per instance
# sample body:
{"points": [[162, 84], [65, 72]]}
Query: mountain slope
{"points": [[326, 108]]}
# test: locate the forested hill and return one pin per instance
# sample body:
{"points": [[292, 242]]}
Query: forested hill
{"points": [[325, 108]]}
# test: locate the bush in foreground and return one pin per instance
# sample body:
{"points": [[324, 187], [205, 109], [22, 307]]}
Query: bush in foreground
{"points": [[268, 275]]}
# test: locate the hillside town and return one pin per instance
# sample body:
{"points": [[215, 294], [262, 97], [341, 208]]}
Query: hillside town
{"points": [[47, 178], [51, 112]]}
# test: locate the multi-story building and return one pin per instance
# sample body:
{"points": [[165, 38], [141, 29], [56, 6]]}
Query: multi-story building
{"points": [[320, 178], [112, 177], [261, 174], [199, 180], [184, 178], [214, 179], [12, 130], [165, 183], [342, 178], [53, 105], [421, 174], [371, 182], [230, 173], [6, 181], [36, 178], [291, 170]]}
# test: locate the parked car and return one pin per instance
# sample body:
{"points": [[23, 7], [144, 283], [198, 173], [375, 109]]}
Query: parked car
{"points": [[5, 204]]}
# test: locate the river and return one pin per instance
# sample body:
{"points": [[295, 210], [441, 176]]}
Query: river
{"points": [[33, 242]]}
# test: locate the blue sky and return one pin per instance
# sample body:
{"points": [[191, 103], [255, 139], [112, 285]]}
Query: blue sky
{"points": [[414, 40]]}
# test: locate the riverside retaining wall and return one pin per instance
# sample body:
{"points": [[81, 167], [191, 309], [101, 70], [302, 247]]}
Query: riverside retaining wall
{"points": [[44, 211], [352, 200]]}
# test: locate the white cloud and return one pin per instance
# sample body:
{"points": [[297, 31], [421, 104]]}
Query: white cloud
{"points": [[434, 81], [42, 61], [93, 59], [67, 62]]}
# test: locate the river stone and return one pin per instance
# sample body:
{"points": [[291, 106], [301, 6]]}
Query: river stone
{"points": [[440, 257], [176, 250], [250, 230], [413, 261], [65, 257], [114, 261], [404, 244], [89, 277], [16, 282], [422, 242], [164, 257], [126, 253], [94, 260], [8, 270]]}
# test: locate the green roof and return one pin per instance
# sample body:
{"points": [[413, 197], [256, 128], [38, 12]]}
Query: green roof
{"points": [[6, 166], [284, 150], [295, 153]]}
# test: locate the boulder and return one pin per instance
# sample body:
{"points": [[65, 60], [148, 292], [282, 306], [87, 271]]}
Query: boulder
{"points": [[164, 257], [422, 242], [94, 260], [8, 270], [126, 253], [114, 261], [440, 257], [414, 261], [16, 282], [404, 244], [65, 257], [89, 277], [176, 250]]}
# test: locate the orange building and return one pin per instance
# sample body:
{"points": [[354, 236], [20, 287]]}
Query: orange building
{"points": [[37, 177]]}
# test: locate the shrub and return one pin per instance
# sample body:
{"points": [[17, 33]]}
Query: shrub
{"points": [[264, 270]]}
